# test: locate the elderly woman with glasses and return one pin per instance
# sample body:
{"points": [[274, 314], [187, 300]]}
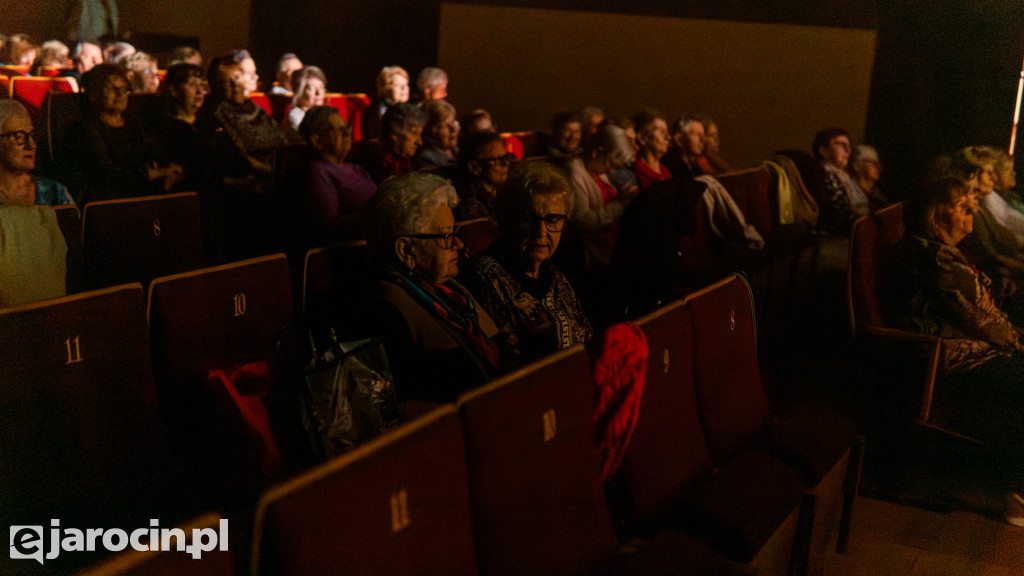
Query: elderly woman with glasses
{"points": [[18, 158], [484, 165], [438, 340], [531, 301], [931, 288], [335, 192]]}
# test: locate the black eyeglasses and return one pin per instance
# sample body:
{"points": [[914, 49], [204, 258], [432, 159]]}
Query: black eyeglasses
{"points": [[553, 222], [498, 160], [447, 240], [21, 136]]}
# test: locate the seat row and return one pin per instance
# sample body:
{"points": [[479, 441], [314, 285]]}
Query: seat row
{"points": [[32, 90], [505, 481]]}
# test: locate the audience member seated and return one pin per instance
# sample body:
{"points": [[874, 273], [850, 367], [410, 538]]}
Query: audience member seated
{"points": [[997, 242], [287, 65], [85, 57], [485, 167], [590, 118], [115, 52], [116, 157], [477, 121], [392, 88], [53, 53], [440, 135], [437, 338], [142, 72], [624, 177], [933, 289], [32, 249], [535, 308], [842, 202], [866, 170], [598, 204], [431, 84], [183, 94], [244, 135], [335, 192], [18, 50], [687, 136], [250, 79], [565, 135], [402, 129], [652, 137], [311, 90], [18, 158], [711, 161], [1006, 181], [186, 55]]}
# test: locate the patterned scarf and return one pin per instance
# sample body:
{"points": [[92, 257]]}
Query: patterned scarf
{"points": [[454, 306]]}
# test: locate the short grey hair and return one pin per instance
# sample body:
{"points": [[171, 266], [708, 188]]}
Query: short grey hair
{"points": [[863, 153], [682, 124], [404, 205], [430, 77], [10, 107]]}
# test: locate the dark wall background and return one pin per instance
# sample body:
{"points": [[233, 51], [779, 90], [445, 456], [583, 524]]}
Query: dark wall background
{"points": [[945, 70], [374, 33], [945, 77]]}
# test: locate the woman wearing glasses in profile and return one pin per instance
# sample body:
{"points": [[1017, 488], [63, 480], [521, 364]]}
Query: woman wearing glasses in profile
{"points": [[18, 147], [531, 301], [437, 339]]}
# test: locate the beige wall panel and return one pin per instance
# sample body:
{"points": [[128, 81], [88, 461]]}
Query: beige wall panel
{"points": [[769, 86]]}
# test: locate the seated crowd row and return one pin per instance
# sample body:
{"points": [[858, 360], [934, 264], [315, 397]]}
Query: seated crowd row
{"points": [[513, 305]]}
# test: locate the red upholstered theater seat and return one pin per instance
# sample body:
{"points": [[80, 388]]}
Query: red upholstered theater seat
{"points": [[752, 191], [533, 143], [746, 508], [216, 562], [814, 439], [54, 71], [536, 491], [70, 222], [477, 235], [339, 101], [14, 70], [240, 433], [65, 84], [139, 239], [263, 101], [81, 439], [396, 505], [871, 239], [280, 104], [356, 104], [61, 112], [31, 91], [335, 281], [513, 144]]}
